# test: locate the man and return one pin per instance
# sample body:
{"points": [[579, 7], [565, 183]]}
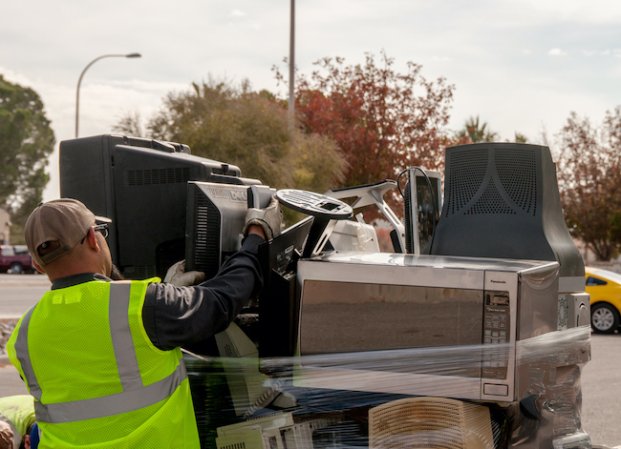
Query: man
{"points": [[17, 418], [102, 357]]}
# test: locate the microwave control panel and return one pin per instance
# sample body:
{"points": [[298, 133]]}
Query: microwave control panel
{"points": [[496, 331]]}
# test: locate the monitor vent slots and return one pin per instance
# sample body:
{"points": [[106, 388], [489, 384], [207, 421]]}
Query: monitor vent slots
{"points": [[207, 224], [158, 176]]}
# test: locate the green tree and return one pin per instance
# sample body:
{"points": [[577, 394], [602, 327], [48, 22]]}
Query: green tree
{"points": [[248, 129], [26, 141], [130, 124], [475, 131], [589, 175]]}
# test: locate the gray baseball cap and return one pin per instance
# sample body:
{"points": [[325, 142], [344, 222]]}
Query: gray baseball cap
{"points": [[54, 228]]}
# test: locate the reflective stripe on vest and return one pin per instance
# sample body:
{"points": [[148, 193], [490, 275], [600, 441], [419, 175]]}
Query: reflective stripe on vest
{"points": [[21, 348], [134, 395], [124, 351]]}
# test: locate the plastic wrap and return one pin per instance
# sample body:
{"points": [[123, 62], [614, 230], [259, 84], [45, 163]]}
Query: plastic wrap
{"points": [[369, 400]]}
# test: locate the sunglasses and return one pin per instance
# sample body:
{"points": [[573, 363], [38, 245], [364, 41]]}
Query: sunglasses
{"points": [[101, 228]]}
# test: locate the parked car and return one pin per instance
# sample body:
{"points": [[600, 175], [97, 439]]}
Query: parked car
{"points": [[605, 289], [15, 259]]}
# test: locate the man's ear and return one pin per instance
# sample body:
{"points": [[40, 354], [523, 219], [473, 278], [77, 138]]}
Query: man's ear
{"points": [[91, 240]]}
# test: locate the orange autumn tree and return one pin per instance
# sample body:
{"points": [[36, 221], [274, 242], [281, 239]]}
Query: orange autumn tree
{"points": [[589, 175], [383, 120]]}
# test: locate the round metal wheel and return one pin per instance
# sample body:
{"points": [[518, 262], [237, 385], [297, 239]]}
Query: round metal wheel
{"points": [[604, 318], [16, 268]]}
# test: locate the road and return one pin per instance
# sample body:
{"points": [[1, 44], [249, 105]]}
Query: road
{"points": [[601, 390], [601, 383], [19, 292]]}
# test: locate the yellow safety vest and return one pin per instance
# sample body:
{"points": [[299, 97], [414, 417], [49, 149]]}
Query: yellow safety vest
{"points": [[97, 379]]}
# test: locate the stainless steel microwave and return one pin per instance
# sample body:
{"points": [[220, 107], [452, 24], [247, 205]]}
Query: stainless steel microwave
{"points": [[420, 325]]}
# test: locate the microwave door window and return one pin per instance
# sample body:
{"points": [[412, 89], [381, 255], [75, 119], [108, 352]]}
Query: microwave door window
{"points": [[443, 326]]}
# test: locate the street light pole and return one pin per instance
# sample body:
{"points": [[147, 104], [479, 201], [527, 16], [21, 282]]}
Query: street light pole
{"points": [[77, 92], [292, 67]]}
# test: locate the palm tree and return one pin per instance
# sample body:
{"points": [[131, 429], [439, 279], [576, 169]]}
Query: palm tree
{"points": [[476, 131]]}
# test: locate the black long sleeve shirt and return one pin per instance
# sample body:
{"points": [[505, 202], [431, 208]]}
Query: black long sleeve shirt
{"points": [[186, 316]]}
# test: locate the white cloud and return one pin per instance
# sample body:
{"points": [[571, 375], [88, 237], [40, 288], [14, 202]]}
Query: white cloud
{"points": [[237, 13], [557, 52], [14, 77]]}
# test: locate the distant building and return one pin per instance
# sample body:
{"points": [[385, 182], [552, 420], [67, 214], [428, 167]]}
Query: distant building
{"points": [[5, 227]]}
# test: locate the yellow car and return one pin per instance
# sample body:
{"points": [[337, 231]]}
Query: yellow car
{"points": [[605, 289]]}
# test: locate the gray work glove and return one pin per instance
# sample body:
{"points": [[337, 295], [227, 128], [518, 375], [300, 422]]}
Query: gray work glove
{"points": [[177, 275], [270, 219]]}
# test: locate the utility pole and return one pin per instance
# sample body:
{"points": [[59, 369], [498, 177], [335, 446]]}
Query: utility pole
{"points": [[292, 67]]}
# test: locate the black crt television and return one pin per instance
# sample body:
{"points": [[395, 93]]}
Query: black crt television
{"points": [[501, 199], [141, 185]]}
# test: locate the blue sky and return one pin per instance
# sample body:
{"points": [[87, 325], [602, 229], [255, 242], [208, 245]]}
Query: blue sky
{"points": [[520, 65]]}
